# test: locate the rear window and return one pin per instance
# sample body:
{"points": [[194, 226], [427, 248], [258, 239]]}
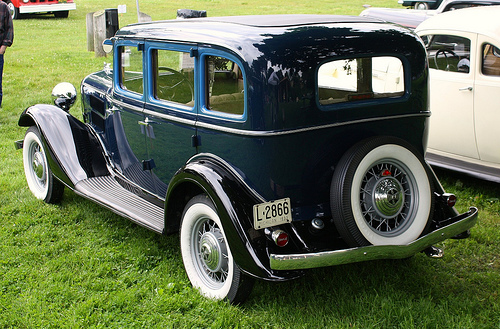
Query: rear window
{"points": [[350, 80]]}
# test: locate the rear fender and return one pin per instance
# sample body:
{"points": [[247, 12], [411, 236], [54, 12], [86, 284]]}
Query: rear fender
{"points": [[233, 200], [74, 154]]}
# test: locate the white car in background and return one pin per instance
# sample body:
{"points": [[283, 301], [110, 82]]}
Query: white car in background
{"points": [[411, 18], [464, 59]]}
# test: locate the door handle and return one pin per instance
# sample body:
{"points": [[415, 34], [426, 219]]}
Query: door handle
{"points": [[147, 122], [465, 88]]}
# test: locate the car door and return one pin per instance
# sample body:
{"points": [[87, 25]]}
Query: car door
{"points": [[129, 144], [487, 99], [170, 114], [451, 84]]}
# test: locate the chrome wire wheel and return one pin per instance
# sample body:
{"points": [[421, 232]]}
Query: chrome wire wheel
{"points": [[388, 198], [381, 193], [207, 256], [209, 246]]}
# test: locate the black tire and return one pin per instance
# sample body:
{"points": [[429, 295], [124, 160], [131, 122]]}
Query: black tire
{"points": [[381, 193], [14, 12], [206, 255], [37, 171], [61, 14]]}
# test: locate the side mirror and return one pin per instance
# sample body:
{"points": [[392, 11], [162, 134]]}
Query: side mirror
{"points": [[64, 95]]}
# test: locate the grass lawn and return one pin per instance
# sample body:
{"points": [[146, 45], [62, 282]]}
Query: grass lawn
{"points": [[76, 265]]}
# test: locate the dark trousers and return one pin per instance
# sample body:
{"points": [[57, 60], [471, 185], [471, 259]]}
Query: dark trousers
{"points": [[1, 74]]}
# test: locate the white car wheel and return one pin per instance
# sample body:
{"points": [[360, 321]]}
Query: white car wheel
{"points": [[381, 194], [206, 255], [421, 6], [37, 171]]}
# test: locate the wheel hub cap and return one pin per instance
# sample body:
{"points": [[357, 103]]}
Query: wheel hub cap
{"points": [[38, 165], [388, 197], [212, 250]]}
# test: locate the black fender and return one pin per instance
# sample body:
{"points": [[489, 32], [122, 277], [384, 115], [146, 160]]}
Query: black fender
{"points": [[233, 200], [74, 154]]}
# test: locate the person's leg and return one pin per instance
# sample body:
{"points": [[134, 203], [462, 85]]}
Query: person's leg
{"points": [[1, 74]]}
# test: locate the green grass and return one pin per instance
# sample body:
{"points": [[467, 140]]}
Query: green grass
{"points": [[76, 265]]}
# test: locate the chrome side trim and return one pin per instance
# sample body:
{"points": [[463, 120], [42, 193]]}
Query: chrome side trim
{"points": [[462, 223], [469, 168], [170, 117], [254, 133], [127, 106]]}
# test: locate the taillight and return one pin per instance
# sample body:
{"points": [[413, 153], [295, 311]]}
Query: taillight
{"points": [[280, 238], [450, 199]]}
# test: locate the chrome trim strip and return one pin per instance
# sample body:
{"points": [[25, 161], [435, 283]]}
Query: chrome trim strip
{"points": [[134, 108], [254, 133], [338, 257], [300, 130], [171, 117]]}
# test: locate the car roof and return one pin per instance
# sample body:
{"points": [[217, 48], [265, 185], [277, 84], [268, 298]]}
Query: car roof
{"points": [[481, 20], [223, 30], [266, 33], [446, 3], [264, 21]]}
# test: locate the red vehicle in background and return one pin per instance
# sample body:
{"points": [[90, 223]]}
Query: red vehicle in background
{"points": [[60, 8]]}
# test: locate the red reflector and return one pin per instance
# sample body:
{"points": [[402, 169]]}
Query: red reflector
{"points": [[280, 238], [451, 200], [386, 173]]}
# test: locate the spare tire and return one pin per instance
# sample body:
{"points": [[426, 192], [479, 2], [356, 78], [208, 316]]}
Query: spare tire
{"points": [[381, 193]]}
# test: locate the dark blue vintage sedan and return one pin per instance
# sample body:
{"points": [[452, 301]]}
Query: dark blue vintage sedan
{"points": [[273, 144]]}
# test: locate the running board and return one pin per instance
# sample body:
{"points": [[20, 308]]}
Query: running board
{"points": [[106, 191]]}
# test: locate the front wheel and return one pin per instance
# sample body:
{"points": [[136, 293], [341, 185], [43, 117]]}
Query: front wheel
{"points": [[14, 12], [381, 194], [36, 168], [206, 254]]}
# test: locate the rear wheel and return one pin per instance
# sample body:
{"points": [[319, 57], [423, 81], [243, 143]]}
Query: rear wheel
{"points": [[206, 254], [381, 194], [421, 6], [36, 168]]}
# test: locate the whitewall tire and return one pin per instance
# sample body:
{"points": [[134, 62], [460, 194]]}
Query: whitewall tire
{"points": [[381, 194], [37, 171], [206, 254]]}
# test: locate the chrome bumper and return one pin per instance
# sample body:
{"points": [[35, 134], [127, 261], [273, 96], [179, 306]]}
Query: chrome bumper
{"points": [[46, 8], [461, 223]]}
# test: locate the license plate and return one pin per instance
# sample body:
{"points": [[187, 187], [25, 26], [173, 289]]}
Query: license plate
{"points": [[272, 213]]}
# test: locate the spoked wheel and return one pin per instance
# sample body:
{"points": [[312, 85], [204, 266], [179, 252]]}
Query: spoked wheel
{"points": [[381, 194], [206, 254], [36, 168]]}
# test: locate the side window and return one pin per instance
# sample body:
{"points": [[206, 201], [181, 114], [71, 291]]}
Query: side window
{"points": [[355, 79], [449, 53], [131, 77], [173, 78], [491, 60], [225, 90]]}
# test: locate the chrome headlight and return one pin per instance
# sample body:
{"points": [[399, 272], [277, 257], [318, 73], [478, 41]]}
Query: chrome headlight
{"points": [[64, 95]]}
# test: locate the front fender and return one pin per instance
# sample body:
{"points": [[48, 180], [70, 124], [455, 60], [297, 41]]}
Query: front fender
{"points": [[234, 201], [73, 153]]}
